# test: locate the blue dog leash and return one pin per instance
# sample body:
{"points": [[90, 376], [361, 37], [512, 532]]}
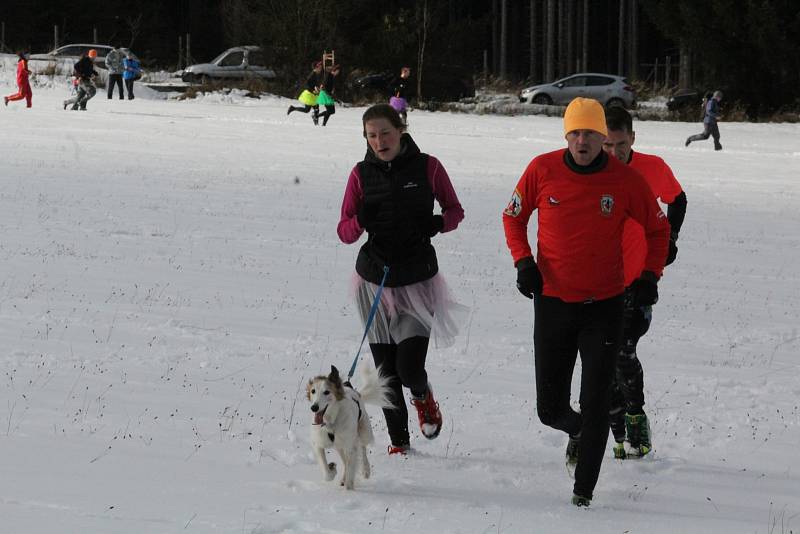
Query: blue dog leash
{"points": [[371, 316]]}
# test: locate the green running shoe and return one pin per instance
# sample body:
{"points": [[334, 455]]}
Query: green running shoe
{"points": [[580, 500], [638, 429]]}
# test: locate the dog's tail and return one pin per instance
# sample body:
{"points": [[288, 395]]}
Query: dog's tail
{"points": [[374, 387]]}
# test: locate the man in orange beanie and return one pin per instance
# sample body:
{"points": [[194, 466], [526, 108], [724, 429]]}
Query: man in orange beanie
{"points": [[577, 279]]}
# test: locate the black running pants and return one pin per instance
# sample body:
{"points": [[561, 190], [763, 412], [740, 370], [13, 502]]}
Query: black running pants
{"points": [[562, 331]]}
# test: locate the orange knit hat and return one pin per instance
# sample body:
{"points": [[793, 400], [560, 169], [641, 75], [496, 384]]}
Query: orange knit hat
{"points": [[585, 114]]}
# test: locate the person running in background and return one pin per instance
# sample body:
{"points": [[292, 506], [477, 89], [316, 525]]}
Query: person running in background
{"points": [[627, 396], [583, 199], [400, 222], [326, 91], [114, 64], [131, 71], [710, 118], [23, 83], [309, 95], [400, 87], [85, 74]]}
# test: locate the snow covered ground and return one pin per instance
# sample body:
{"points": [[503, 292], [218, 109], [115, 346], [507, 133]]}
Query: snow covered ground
{"points": [[170, 277]]}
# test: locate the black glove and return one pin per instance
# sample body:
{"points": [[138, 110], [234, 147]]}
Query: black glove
{"points": [[435, 225], [529, 279], [366, 214], [673, 248], [645, 289]]}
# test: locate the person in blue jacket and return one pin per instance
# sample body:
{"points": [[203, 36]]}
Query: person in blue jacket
{"points": [[131, 72], [710, 128]]}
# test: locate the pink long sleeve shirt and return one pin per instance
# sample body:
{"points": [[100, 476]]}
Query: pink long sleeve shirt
{"points": [[349, 230]]}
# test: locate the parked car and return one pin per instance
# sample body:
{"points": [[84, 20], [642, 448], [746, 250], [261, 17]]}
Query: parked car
{"points": [[608, 89], [684, 98], [69, 54], [376, 81], [239, 62]]}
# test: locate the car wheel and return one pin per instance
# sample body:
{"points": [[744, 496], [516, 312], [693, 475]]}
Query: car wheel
{"points": [[615, 103], [543, 100]]}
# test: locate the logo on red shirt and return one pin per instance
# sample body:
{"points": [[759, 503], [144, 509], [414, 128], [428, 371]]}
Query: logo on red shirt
{"points": [[606, 205], [514, 205]]}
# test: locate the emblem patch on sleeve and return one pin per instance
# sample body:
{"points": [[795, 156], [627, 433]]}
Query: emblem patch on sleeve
{"points": [[606, 205], [514, 205]]}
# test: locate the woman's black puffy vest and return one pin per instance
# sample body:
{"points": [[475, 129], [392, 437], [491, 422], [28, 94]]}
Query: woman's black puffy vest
{"points": [[401, 201]]}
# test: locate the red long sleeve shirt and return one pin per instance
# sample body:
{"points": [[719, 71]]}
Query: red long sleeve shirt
{"points": [[22, 73], [664, 186], [581, 219]]}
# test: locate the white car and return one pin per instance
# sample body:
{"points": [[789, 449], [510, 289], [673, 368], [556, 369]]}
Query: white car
{"points": [[64, 57], [608, 89], [240, 62]]}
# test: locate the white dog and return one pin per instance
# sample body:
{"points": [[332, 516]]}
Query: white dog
{"points": [[341, 421]]}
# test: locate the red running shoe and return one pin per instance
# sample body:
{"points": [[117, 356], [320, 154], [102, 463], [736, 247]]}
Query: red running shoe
{"points": [[430, 418], [401, 450]]}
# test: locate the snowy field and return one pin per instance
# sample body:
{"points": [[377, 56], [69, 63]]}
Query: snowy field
{"points": [[171, 277]]}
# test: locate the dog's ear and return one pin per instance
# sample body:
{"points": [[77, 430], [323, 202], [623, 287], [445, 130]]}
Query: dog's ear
{"points": [[308, 389], [335, 379]]}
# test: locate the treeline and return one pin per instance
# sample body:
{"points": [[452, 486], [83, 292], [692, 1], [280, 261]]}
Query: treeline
{"points": [[748, 48]]}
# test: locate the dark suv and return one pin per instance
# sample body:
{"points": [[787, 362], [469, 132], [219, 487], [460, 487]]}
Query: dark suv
{"points": [[684, 98]]}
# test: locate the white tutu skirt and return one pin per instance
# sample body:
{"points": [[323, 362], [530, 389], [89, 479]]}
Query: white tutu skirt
{"points": [[423, 309]]}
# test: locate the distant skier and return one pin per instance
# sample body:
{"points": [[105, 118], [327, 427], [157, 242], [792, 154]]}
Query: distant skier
{"points": [[23, 82], [400, 87], [131, 72], [628, 419], [326, 94], [309, 95], [85, 74], [710, 118]]}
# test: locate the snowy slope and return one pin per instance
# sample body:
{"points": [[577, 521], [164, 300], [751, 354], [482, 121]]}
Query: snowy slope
{"points": [[170, 277]]}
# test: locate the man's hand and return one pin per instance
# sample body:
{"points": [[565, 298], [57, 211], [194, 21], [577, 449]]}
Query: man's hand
{"points": [[645, 289], [529, 279]]}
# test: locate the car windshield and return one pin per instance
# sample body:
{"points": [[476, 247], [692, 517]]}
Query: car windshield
{"points": [[234, 59], [219, 57]]}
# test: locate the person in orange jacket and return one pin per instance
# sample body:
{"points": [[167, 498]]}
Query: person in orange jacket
{"points": [[23, 83], [628, 419], [583, 198]]}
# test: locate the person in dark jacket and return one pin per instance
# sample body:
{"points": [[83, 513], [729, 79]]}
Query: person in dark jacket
{"points": [[710, 127], [23, 83], [309, 95], [85, 74], [582, 198], [391, 195], [132, 70], [326, 90], [400, 88]]}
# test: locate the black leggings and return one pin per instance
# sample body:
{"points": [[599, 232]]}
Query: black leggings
{"points": [[561, 331], [329, 110], [304, 109], [628, 391], [404, 365]]}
